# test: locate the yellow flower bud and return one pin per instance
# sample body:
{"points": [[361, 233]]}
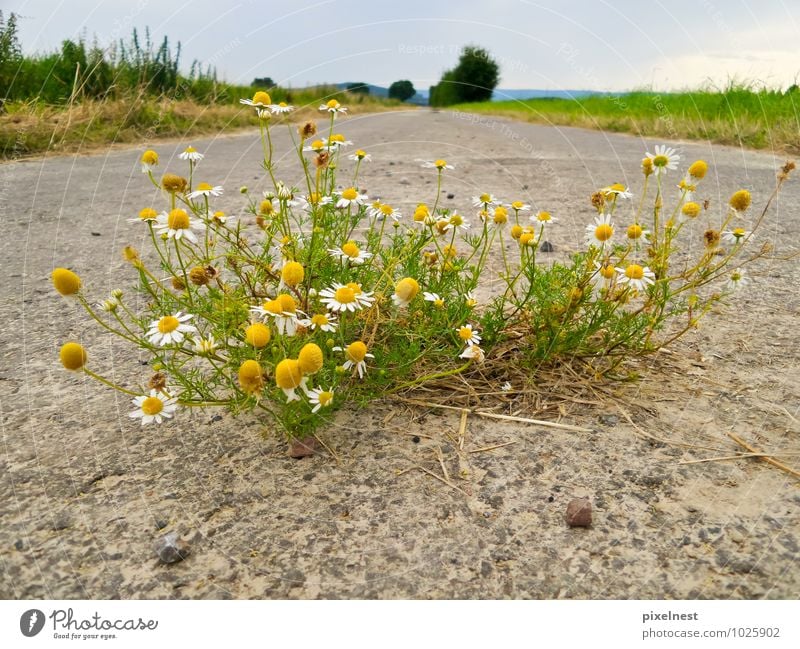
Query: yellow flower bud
{"points": [[65, 281], [73, 356]]}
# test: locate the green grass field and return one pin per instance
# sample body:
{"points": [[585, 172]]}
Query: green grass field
{"points": [[758, 119]]}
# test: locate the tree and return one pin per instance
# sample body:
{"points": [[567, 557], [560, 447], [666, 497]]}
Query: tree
{"points": [[402, 90], [263, 82], [473, 79], [360, 88]]}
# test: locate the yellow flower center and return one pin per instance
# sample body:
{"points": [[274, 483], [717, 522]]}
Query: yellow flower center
{"points": [[150, 157], [251, 376], [314, 198], [485, 198], [456, 220], [634, 271], [332, 103], [698, 169], [73, 356], [740, 200], [351, 249], [350, 194], [272, 306], [661, 161], [147, 214], [204, 187], [337, 137], [320, 320], [310, 359], [178, 219], [544, 217], [325, 397], [317, 145], [266, 207], [168, 324], [603, 232], [65, 281], [152, 406], [262, 97], [292, 273], [345, 295], [738, 232], [387, 210], [356, 288], [439, 304], [288, 374], [617, 187], [607, 271], [635, 231], [691, 209], [526, 238], [517, 205], [407, 289], [516, 231], [449, 251], [287, 303], [257, 335], [465, 333], [360, 154], [736, 276], [356, 352], [440, 164]]}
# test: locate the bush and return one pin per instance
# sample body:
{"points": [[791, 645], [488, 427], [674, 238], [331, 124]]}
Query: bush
{"points": [[323, 297], [472, 80], [402, 90]]}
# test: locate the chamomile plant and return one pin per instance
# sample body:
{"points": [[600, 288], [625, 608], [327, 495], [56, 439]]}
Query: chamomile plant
{"points": [[319, 295]]}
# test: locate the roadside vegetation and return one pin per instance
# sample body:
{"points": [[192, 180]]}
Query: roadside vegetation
{"points": [[83, 95], [739, 115]]}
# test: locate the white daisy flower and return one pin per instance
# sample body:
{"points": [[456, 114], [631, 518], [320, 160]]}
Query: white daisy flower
{"points": [[221, 217], [322, 321], [506, 387], [380, 211], [350, 253], [665, 158], [283, 312], [337, 140], [317, 146], [204, 346], [110, 305], [456, 221], [519, 206], [737, 235], [170, 329], [617, 189], [355, 355], [146, 214], [360, 154], [474, 352], [603, 276], [178, 224], [342, 297], [280, 108], [484, 200], [470, 300], [435, 164], [320, 398], [688, 187], [154, 408], [350, 196], [204, 189], [636, 276], [601, 232], [736, 280], [636, 232], [333, 106], [149, 160], [543, 218], [260, 100], [190, 153], [435, 298], [468, 335], [285, 193]]}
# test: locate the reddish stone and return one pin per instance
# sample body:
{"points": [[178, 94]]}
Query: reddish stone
{"points": [[579, 513], [305, 447]]}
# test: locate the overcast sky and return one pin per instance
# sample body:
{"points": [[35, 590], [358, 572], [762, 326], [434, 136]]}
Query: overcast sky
{"points": [[567, 44]]}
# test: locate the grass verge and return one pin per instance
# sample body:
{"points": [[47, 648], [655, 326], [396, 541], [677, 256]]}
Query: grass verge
{"points": [[30, 128], [757, 119]]}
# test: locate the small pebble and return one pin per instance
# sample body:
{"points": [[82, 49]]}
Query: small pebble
{"points": [[579, 513], [300, 448], [550, 499], [736, 536], [19, 545], [451, 196], [608, 420], [415, 439], [404, 181], [546, 247], [171, 549], [96, 234]]}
